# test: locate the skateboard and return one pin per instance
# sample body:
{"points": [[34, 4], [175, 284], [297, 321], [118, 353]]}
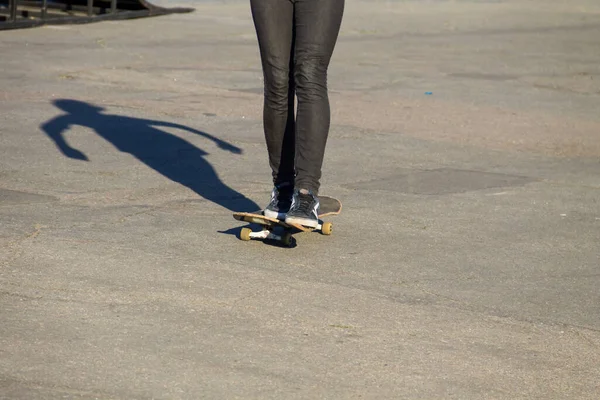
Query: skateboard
{"points": [[327, 206]]}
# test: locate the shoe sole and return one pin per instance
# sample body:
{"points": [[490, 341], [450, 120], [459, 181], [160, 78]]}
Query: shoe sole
{"points": [[310, 223], [273, 214]]}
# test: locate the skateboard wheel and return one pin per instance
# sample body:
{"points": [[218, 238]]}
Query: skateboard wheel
{"points": [[327, 228], [286, 239], [245, 234]]}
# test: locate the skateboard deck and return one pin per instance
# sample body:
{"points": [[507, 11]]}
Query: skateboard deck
{"points": [[328, 206]]}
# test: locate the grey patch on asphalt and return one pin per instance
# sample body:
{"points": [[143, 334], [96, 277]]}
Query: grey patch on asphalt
{"points": [[488, 77], [12, 197], [442, 181]]}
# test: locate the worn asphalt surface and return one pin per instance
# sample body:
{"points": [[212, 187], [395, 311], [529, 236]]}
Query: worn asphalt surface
{"points": [[465, 147]]}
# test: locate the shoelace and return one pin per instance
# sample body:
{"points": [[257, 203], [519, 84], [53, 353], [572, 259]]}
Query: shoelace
{"points": [[304, 203]]}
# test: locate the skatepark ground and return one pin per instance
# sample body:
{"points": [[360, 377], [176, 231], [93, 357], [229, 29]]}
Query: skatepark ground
{"points": [[465, 147]]}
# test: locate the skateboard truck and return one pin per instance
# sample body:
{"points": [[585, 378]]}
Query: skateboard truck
{"points": [[285, 238]]}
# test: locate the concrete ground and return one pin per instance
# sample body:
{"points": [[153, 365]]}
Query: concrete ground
{"points": [[465, 264]]}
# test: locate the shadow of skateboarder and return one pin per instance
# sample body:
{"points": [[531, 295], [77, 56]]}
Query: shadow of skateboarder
{"points": [[171, 156]]}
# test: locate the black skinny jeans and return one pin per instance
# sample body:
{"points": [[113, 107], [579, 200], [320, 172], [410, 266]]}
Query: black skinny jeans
{"points": [[296, 40]]}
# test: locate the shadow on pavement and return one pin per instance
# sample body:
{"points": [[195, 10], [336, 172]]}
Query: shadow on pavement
{"points": [[167, 154]]}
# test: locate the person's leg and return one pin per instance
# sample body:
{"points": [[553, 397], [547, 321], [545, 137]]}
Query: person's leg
{"points": [[317, 27], [273, 20], [274, 23]]}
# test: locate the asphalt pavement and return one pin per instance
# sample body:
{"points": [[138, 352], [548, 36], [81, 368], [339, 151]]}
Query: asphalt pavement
{"points": [[465, 147]]}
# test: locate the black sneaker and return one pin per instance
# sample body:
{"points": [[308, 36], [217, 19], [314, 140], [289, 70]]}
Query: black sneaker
{"points": [[304, 209], [281, 199]]}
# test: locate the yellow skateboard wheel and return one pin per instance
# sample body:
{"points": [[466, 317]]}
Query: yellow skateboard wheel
{"points": [[245, 234], [286, 239]]}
